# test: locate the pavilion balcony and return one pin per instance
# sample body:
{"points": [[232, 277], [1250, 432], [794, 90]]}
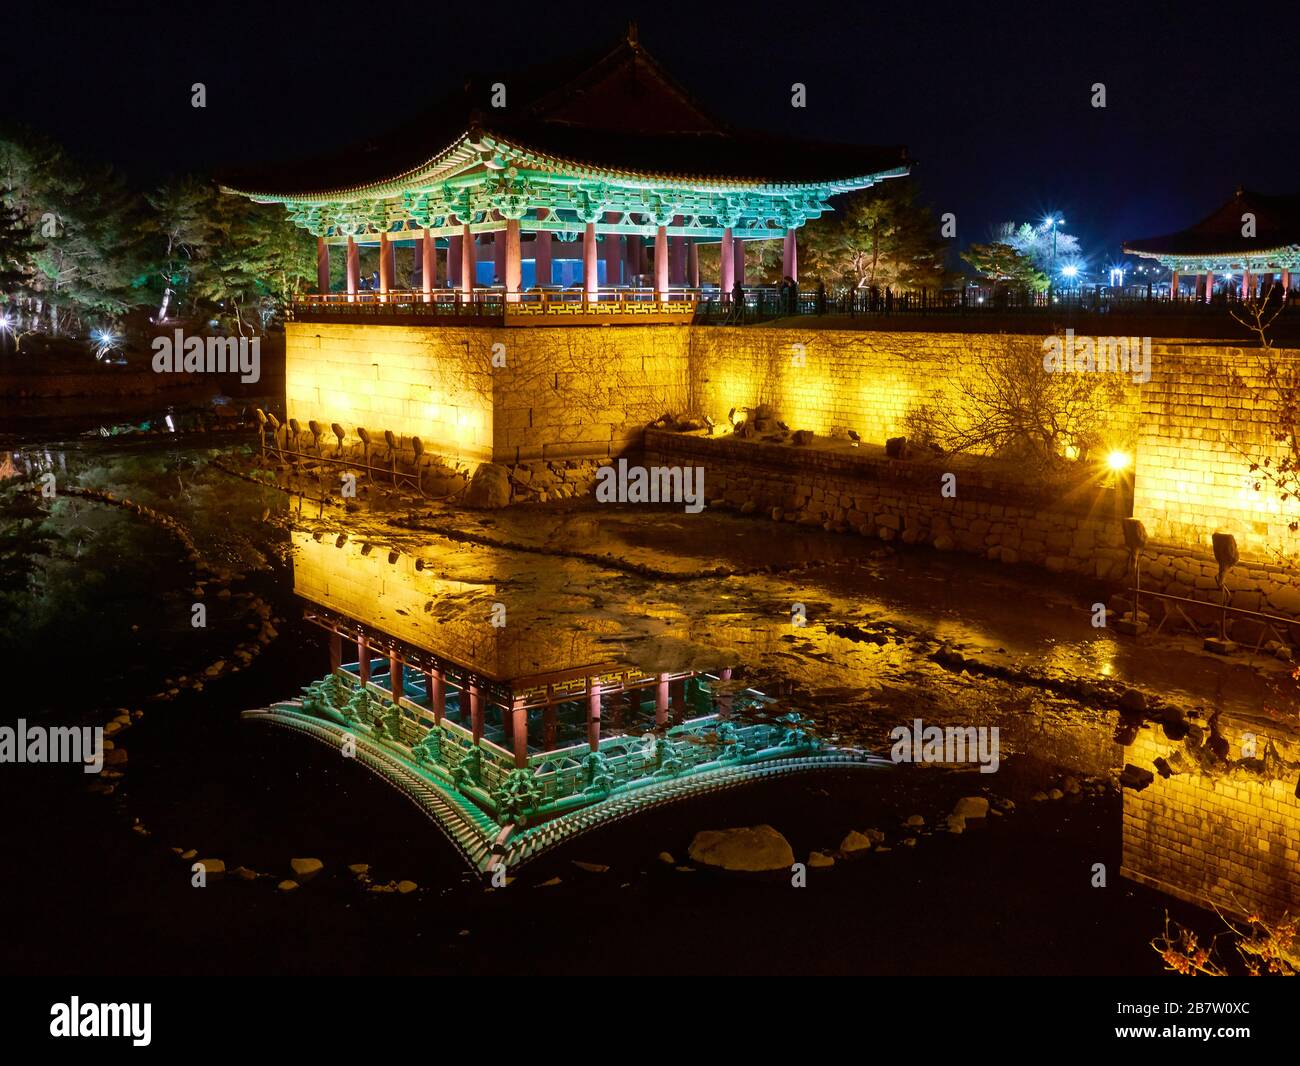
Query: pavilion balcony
{"points": [[496, 307]]}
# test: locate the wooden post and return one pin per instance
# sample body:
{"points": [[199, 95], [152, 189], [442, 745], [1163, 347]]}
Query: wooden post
{"points": [[437, 687], [429, 266], [677, 257], [695, 265], [385, 267], [590, 277], [322, 266], [363, 661], [613, 253], [593, 713], [661, 700], [1209, 285], [514, 263], [1173, 285], [661, 263], [519, 732], [790, 256], [738, 247], [475, 711], [727, 264], [354, 268], [454, 244], [395, 685], [468, 265]]}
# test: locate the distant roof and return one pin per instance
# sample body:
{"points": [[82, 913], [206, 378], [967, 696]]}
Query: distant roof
{"points": [[615, 112], [1276, 225]]}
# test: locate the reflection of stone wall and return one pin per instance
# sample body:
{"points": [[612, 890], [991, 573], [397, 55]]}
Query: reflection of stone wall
{"points": [[1229, 840]]}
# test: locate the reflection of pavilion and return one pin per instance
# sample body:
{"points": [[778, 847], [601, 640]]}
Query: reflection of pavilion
{"points": [[512, 746]]}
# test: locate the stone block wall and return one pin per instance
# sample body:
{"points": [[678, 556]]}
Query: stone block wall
{"points": [[1228, 837]]}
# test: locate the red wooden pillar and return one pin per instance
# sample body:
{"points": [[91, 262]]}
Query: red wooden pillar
{"points": [[661, 263], [437, 687], [790, 256], [613, 253], [661, 700], [548, 720], [514, 263], [1245, 284], [498, 257], [475, 711], [385, 267], [468, 264], [1286, 283], [1209, 285], [336, 652], [354, 268], [593, 713], [363, 660], [519, 732], [1173, 285], [738, 247], [694, 258], [322, 266], [542, 252], [726, 264], [589, 275], [428, 266]]}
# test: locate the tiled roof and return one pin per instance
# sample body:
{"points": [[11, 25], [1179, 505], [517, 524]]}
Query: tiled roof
{"points": [[1276, 225]]}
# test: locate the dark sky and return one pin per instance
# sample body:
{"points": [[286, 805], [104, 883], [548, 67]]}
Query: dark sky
{"points": [[992, 99]]}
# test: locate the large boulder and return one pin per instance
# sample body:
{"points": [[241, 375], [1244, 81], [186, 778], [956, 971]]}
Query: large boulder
{"points": [[489, 488], [755, 849]]}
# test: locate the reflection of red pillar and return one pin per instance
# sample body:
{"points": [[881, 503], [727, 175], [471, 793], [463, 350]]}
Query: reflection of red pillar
{"points": [[589, 276], [428, 266], [468, 266], [322, 266], [790, 256], [726, 264], [1209, 285], [542, 252], [514, 265], [437, 693], [738, 247], [593, 713], [661, 263], [519, 728], [363, 660], [661, 700], [336, 652], [395, 676], [354, 268], [475, 712]]}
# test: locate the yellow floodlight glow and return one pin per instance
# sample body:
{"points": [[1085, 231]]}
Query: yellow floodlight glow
{"points": [[1119, 460]]}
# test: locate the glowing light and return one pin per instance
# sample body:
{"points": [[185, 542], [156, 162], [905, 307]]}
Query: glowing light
{"points": [[1118, 460], [5, 324], [1069, 271]]}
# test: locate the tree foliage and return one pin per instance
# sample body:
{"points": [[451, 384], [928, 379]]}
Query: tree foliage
{"points": [[877, 238], [1005, 267]]}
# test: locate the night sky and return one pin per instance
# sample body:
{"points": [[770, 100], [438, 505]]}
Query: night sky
{"points": [[992, 100]]}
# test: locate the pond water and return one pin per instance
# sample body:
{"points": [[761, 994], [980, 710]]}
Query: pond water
{"points": [[103, 624]]}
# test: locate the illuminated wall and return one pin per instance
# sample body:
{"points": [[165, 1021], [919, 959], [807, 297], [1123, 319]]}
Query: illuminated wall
{"points": [[413, 380], [1204, 417], [1228, 839]]}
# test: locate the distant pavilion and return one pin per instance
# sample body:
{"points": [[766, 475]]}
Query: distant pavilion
{"points": [[598, 175], [1250, 244]]}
